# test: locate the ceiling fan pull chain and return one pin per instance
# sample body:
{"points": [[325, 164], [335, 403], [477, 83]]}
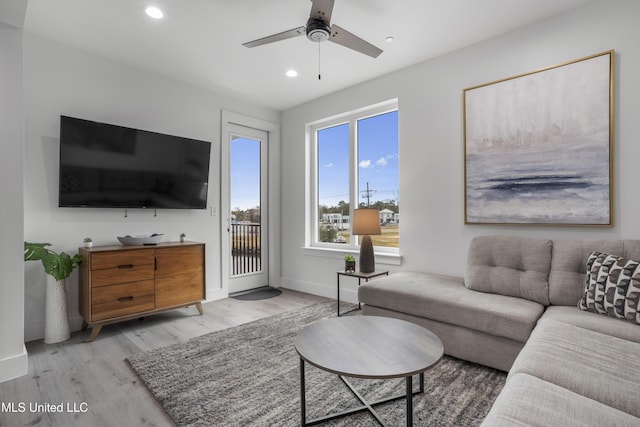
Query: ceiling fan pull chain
{"points": [[318, 61]]}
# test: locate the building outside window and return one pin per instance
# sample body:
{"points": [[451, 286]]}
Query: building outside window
{"points": [[354, 163]]}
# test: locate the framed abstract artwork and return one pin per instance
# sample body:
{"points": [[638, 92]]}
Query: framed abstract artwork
{"points": [[538, 147]]}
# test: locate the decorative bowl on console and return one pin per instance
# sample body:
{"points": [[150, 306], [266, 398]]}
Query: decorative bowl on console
{"points": [[139, 240]]}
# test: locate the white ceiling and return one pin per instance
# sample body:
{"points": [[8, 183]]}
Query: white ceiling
{"points": [[200, 41]]}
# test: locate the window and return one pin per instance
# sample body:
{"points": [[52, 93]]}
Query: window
{"points": [[354, 163]]}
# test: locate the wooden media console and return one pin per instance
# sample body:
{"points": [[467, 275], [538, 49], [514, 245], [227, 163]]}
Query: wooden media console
{"points": [[120, 283]]}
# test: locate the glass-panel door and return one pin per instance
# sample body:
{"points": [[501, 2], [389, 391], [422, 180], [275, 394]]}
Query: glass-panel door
{"points": [[244, 203]]}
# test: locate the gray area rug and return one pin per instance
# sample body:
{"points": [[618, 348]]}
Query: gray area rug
{"points": [[249, 376]]}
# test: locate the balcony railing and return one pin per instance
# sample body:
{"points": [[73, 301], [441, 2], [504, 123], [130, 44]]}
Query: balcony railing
{"points": [[245, 248]]}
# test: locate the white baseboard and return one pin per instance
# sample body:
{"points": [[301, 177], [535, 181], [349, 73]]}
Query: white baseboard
{"points": [[14, 366], [35, 331], [216, 294], [321, 289]]}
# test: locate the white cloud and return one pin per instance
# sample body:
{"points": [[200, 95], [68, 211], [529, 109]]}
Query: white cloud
{"points": [[381, 161], [365, 164], [328, 165]]}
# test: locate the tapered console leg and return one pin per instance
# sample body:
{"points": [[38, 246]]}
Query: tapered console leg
{"points": [[94, 332]]}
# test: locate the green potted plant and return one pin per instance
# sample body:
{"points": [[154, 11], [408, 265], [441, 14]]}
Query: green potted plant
{"points": [[88, 242], [349, 264], [58, 267]]}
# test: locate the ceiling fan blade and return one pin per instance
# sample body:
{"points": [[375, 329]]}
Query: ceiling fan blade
{"points": [[345, 38], [276, 37], [322, 9]]}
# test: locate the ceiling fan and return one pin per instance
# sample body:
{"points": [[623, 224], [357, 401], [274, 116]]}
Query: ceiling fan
{"points": [[319, 29]]}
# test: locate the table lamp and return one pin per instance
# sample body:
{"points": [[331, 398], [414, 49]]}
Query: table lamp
{"points": [[366, 222]]}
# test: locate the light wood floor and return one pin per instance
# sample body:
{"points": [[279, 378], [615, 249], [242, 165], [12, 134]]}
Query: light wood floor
{"points": [[95, 380]]}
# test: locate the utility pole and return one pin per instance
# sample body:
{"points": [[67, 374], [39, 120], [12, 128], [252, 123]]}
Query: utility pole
{"points": [[367, 193]]}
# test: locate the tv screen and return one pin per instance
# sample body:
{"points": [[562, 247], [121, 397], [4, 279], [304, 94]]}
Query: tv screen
{"points": [[108, 166]]}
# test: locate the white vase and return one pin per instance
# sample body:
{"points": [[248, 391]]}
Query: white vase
{"points": [[56, 323]]}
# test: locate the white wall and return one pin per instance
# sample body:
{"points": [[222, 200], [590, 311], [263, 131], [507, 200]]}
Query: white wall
{"points": [[61, 80], [433, 236], [13, 356]]}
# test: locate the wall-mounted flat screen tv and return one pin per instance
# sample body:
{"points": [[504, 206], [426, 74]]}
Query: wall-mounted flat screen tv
{"points": [[108, 166]]}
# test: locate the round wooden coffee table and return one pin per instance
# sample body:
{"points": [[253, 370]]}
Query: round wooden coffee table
{"points": [[367, 347]]}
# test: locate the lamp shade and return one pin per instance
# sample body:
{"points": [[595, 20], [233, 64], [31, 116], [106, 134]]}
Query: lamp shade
{"points": [[366, 221]]}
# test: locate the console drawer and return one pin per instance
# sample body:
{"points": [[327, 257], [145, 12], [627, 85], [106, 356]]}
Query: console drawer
{"points": [[120, 300], [121, 274], [110, 260]]}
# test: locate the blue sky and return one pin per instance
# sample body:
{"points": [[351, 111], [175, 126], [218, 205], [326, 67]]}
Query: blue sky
{"points": [[377, 160], [377, 163], [245, 173]]}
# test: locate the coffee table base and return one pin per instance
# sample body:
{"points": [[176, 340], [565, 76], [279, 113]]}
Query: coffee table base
{"points": [[366, 406]]}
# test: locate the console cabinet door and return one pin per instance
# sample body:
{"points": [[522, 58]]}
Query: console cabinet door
{"points": [[179, 275]]}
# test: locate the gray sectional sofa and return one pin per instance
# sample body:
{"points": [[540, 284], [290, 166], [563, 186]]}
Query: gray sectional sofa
{"points": [[517, 310]]}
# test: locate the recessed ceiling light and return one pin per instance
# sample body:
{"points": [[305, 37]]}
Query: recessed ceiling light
{"points": [[292, 73], [154, 12], [389, 39]]}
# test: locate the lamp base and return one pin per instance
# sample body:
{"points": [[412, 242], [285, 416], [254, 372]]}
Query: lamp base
{"points": [[367, 259]]}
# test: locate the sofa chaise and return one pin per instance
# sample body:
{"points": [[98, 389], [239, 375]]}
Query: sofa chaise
{"points": [[561, 316]]}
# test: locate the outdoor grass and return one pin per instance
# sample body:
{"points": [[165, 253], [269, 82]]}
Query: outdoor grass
{"points": [[390, 236]]}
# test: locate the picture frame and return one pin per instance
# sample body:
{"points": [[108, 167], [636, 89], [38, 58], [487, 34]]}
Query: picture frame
{"points": [[538, 147]]}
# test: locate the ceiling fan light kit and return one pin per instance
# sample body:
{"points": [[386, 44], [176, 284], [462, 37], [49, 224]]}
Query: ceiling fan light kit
{"points": [[319, 29]]}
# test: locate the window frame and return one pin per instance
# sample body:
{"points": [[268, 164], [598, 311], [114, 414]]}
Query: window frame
{"points": [[312, 211]]}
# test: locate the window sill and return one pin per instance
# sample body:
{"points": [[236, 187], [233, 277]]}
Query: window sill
{"points": [[382, 258]]}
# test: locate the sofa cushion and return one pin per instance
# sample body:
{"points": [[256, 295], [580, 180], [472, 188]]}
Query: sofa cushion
{"points": [[445, 299], [612, 287], [529, 401], [507, 265], [568, 265], [592, 364], [595, 322], [463, 343]]}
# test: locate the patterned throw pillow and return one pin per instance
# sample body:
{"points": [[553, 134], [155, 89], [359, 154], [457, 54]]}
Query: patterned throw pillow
{"points": [[612, 286]]}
